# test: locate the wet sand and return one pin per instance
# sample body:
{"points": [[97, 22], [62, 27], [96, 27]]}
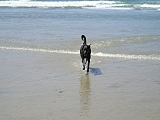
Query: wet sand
{"points": [[37, 85]]}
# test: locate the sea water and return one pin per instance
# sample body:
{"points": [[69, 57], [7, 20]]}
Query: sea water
{"points": [[127, 29]]}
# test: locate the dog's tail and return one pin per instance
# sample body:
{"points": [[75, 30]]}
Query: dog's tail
{"points": [[84, 39]]}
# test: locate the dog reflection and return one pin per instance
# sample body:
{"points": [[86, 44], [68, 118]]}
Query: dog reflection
{"points": [[85, 92]]}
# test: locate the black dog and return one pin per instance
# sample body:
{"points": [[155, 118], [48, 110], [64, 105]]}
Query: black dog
{"points": [[85, 52]]}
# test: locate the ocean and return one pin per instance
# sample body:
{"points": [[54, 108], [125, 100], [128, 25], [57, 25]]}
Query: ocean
{"points": [[127, 29]]}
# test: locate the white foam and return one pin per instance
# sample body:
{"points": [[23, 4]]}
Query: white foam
{"points": [[20, 0], [125, 56], [116, 5], [56, 4], [150, 6], [38, 50], [138, 57]]}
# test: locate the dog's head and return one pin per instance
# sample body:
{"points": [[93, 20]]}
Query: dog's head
{"points": [[85, 50]]}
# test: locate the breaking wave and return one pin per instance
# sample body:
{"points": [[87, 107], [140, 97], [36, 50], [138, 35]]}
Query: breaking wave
{"points": [[117, 5]]}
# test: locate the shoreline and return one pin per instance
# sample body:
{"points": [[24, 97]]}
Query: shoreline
{"points": [[49, 86], [132, 56]]}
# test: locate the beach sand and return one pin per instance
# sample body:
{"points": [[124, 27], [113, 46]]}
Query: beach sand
{"points": [[39, 86]]}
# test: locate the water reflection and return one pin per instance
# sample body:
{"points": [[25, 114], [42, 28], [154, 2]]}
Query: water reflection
{"points": [[85, 92]]}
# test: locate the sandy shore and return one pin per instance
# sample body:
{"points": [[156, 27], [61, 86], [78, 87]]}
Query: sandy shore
{"points": [[39, 86]]}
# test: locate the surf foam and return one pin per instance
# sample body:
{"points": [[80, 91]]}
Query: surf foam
{"points": [[138, 57], [117, 5], [38, 50]]}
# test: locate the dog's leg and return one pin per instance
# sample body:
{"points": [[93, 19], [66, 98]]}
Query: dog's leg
{"points": [[83, 62], [88, 65]]}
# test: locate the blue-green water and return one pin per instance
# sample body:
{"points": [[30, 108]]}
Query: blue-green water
{"points": [[119, 28]]}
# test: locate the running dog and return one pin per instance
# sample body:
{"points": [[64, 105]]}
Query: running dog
{"points": [[85, 53]]}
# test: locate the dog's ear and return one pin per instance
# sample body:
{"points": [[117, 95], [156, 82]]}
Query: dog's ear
{"points": [[89, 47]]}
